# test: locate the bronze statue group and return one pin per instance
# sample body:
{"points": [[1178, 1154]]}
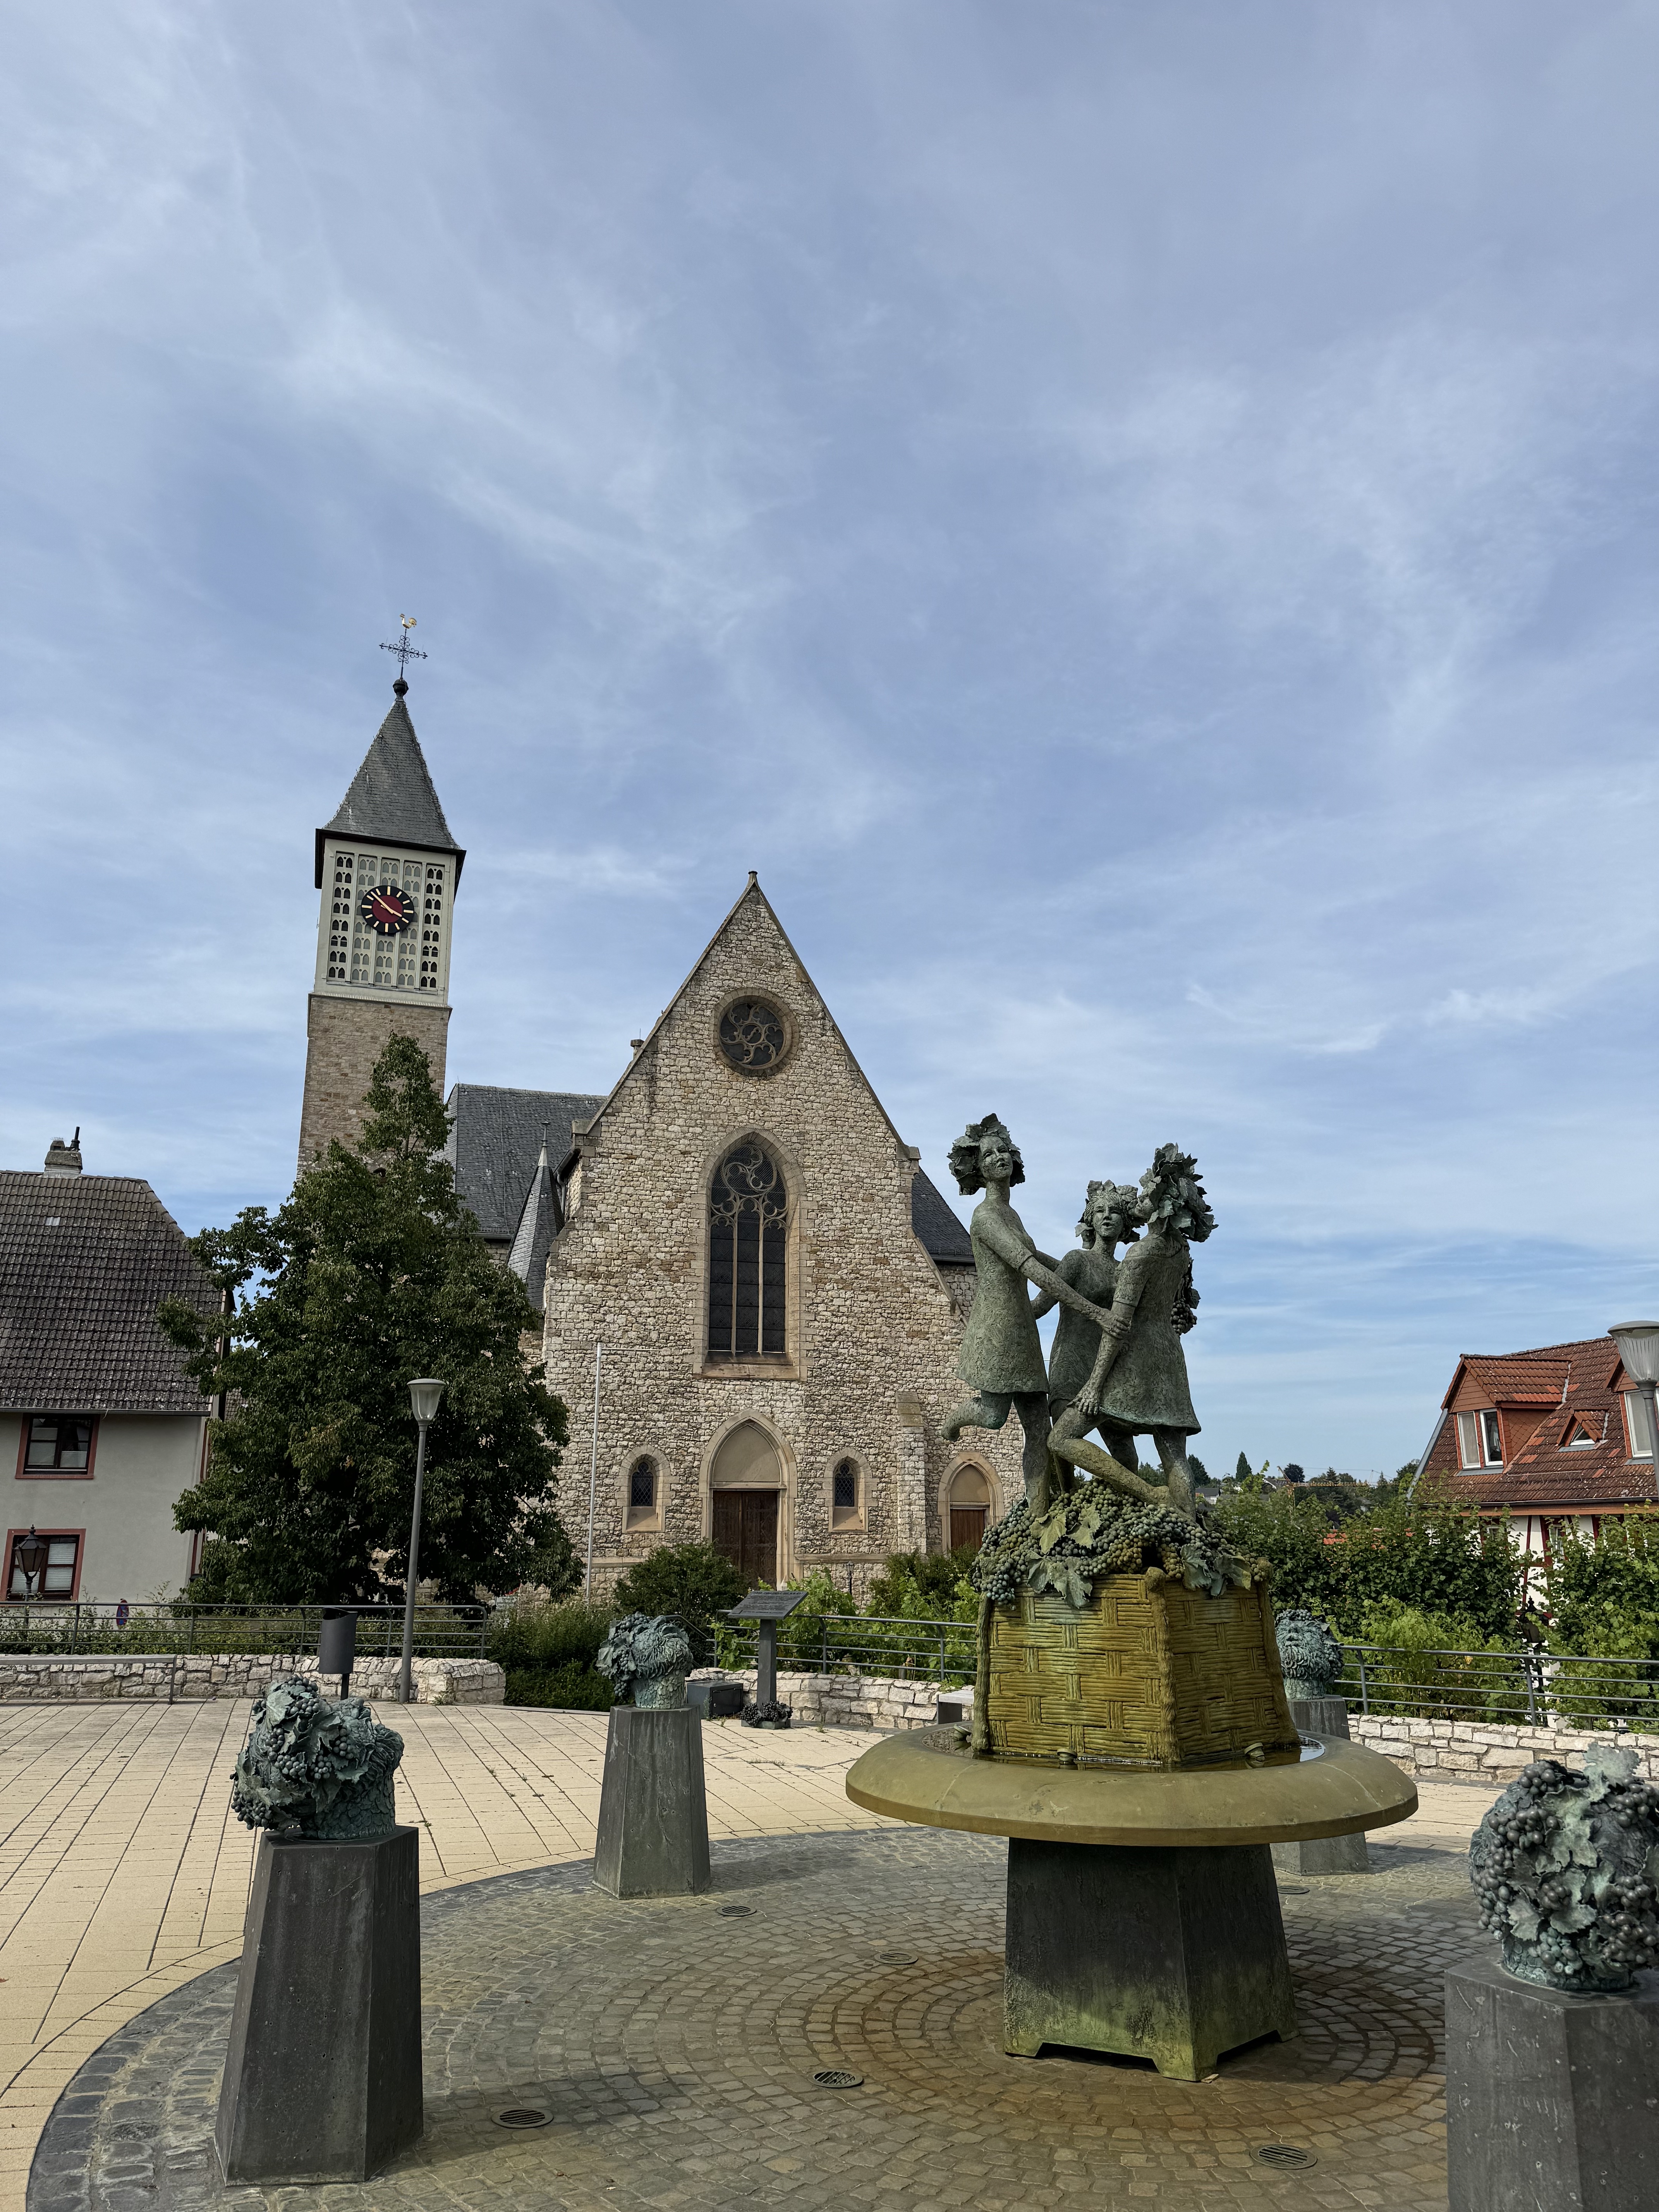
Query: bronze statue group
{"points": [[1117, 1365]]}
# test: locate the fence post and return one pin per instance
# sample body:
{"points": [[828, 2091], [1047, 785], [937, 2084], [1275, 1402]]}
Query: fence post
{"points": [[1531, 1663], [1364, 1695], [941, 1655]]}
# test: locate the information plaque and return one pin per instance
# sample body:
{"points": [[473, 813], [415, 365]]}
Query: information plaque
{"points": [[768, 1605]]}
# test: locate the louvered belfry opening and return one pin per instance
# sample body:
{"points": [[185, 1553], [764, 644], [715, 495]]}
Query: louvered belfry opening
{"points": [[748, 1224]]}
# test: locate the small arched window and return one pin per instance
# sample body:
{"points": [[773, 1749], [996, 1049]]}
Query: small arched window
{"points": [[643, 1500], [846, 1506], [748, 1223], [968, 1507]]}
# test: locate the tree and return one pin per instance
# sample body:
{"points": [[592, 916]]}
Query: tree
{"points": [[1241, 1468], [372, 1272], [1292, 1474], [1432, 1555]]}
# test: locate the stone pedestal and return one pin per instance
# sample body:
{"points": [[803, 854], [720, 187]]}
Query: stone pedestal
{"points": [[653, 1817], [322, 2078], [1552, 2099], [1324, 1717], [1175, 1955]]}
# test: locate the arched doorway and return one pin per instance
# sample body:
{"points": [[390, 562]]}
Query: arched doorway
{"points": [[967, 1507], [747, 1480]]}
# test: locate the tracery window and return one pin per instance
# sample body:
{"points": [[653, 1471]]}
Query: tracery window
{"points": [[748, 1221]]}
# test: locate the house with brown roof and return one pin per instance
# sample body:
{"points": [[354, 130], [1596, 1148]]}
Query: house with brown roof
{"points": [[1554, 1436], [100, 1427]]}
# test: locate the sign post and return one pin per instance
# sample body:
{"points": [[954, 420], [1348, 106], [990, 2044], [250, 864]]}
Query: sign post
{"points": [[766, 1608]]}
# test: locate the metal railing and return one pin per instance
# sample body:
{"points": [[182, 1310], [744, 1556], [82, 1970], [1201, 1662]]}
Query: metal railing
{"points": [[860, 1643], [86, 1628], [1533, 1689], [1537, 1689]]}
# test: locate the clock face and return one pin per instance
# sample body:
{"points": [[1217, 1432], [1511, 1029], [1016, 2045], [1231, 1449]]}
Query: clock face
{"points": [[387, 910]]}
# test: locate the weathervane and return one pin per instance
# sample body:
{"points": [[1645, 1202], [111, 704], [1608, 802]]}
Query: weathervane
{"points": [[405, 652]]}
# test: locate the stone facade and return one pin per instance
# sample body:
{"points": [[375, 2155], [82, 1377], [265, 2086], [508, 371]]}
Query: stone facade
{"points": [[1482, 1751], [195, 1677], [864, 1371], [344, 1038]]}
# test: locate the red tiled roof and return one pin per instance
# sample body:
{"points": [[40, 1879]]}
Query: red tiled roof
{"points": [[84, 1262], [1546, 1474]]}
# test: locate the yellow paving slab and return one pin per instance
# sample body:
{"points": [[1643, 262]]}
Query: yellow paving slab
{"points": [[123, 1873]]}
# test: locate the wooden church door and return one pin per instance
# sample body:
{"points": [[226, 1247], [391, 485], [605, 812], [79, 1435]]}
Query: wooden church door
{"points": [[747, 1532]]}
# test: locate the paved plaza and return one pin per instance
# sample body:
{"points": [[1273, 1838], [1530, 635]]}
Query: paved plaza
{"points": [[671, 2044]]}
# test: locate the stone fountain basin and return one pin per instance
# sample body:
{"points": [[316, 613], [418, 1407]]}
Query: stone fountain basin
{"points": [[926, 1775]]}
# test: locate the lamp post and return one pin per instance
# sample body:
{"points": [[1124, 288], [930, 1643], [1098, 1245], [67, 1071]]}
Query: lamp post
{"points": [[424, 1392], [1638, 1347], [31, 1557]]}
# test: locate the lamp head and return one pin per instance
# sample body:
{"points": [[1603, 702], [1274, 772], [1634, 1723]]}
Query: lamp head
{"points": [[1638, 1347], [424, 1392], [31, 1554]]}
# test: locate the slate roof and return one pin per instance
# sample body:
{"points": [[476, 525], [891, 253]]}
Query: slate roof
{"points": [[84, 1262], [1552, 1392], [533, 1238], [942, 1235], [493, 1145], [392, 798]]}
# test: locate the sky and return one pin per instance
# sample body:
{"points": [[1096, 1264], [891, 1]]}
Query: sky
{"points": [[1139, 523]]}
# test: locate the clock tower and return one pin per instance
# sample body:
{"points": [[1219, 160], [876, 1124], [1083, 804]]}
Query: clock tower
{"points": [[387, 869]]}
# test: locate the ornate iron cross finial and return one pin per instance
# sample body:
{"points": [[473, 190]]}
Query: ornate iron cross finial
{"points": [[405, 652]]}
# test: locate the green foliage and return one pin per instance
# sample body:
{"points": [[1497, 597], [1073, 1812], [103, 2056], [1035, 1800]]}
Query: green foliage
{"points": [[573, 1689], [1603, 1598], [371, 1272], [1431, 1555], [1241, 1469], [691, 1584], [928, 1580], [1419, 1674], [548, 1652]]}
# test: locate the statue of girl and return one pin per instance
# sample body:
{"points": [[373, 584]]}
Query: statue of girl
{"points": [[1139, 1381], [1001, 1356], [1109, 1215]]}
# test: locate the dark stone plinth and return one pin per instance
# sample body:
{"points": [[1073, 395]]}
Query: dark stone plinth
{"points": [[653, 1817], [322, 2079], [1323, 1854], [1552, 2099], [1165, 1953]]}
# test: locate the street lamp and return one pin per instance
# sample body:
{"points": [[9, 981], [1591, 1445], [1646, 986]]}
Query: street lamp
{"points": [[424, 1392], [1638, 1347], [31, 1556]]}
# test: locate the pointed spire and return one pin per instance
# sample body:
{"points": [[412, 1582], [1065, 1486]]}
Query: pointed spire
{"points": [[528, 1257], [392, 798]]}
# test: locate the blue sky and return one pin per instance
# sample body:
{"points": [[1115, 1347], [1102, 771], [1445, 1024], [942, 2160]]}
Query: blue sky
{"points": [[1139, 523]]}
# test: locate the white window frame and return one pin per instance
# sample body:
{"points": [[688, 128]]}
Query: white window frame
{"points": [[1636, 1424], [1468, 1442], [1491, 1437]]}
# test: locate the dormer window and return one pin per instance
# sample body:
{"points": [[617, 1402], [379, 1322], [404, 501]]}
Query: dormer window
{"points": [[1636, 1419], [1480, 1439], [1579, 1438]]}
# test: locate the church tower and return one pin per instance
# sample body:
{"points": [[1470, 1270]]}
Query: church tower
{"points": [[387, 869]]}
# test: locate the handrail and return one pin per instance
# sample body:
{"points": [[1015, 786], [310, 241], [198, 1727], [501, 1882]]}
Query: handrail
{"points": [[94, 1627]]}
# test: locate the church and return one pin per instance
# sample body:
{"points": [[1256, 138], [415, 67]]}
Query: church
{"points": [[751, 1294]]}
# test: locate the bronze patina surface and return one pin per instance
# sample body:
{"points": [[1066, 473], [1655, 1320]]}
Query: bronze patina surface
{"points": [[928, 1776]]}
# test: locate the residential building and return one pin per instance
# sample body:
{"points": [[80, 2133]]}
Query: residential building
{"points": [[100, 1427], [1559, 1434]]}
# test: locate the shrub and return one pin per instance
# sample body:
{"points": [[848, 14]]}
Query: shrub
{"points": [[690, 1583], [1436, 1666], [1603, 1599], [931, 1577], [543, 1637], [573, 1688]]}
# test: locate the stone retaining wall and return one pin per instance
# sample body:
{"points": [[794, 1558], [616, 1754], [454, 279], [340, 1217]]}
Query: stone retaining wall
{"points": [[859, 1701], [190, 1678], [1481, 1751]]}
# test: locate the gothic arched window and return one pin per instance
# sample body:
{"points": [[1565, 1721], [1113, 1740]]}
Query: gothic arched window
{"points": [[748, 1221]]}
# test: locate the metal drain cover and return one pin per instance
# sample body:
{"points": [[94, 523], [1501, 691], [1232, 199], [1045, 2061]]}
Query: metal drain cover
{"points": [[1283, 2156], [837, 2077], [735, 1911], [521, 2115], [896, 1957]]}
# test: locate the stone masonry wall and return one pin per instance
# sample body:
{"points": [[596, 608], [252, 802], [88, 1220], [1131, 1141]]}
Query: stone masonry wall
{"points": [[197, 1676], [859, 1701], [1472, 1751], [873, 1330], [344, 1038]]}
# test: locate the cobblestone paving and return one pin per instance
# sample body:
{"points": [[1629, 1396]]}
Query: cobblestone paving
{"points": [[673, 2047]]}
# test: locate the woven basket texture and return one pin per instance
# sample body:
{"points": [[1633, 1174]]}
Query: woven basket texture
{"points": [[1150, 1673]]}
